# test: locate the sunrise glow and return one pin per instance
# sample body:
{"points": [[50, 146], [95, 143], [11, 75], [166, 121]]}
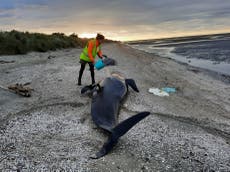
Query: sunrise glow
{"points": [[87, 35]]}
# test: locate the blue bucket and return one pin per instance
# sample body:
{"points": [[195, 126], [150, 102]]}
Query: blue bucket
{"points": [[99, 64]]}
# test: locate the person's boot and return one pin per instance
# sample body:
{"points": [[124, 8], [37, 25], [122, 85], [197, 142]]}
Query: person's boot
{"points": [[81, 73], [79, 82], [79, 77]]}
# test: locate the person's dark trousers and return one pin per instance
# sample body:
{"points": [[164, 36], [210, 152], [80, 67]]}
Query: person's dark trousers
{"points": [[91, 68]]}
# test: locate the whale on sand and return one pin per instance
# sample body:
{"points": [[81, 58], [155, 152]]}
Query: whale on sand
{"points": [[106, 100]]}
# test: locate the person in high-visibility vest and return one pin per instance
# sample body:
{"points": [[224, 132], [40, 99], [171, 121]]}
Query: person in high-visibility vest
{"points": [[88, 55]]}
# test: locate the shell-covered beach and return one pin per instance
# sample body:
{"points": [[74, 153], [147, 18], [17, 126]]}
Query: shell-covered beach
{"points": [[53, 130]]}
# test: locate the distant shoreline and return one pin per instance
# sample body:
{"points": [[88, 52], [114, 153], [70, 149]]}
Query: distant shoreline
{"points": [[182, 38]]}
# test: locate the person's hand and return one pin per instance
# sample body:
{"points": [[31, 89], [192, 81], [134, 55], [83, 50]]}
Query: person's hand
{"points": [[101, 57], [105, 56]]}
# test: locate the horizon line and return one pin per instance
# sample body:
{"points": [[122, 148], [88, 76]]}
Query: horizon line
{"points": [[133, 40]]}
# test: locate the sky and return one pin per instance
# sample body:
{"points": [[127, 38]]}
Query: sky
{"points": [[119, 19]]}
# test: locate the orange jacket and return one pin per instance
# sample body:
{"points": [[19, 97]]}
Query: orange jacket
{"points": [[90, 49]]}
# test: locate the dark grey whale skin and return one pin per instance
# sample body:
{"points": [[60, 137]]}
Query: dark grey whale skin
{"points": [[105, 105], [105, 108]]}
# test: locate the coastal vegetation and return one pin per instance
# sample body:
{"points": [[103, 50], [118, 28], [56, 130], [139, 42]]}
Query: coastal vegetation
{"points": [[16, 42]]}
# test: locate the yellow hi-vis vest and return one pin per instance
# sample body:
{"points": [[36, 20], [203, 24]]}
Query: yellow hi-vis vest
{"points": [[84, 55]]}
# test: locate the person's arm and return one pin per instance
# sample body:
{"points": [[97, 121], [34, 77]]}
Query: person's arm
{"points": [[99, 54], [90, 50]]}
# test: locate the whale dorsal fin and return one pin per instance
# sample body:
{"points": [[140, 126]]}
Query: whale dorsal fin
{"points": [[132, 84]]}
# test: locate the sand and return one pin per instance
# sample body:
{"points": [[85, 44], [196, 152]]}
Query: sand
{"points": [[53, 129]]}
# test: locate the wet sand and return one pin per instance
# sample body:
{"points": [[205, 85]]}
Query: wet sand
{"points": [[53, 130]]}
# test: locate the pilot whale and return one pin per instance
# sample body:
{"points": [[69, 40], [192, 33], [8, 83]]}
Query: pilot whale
{"points": [[107, 97]]}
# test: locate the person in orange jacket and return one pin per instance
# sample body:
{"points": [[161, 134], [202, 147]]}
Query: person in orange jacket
{"points": [[88, 55]]}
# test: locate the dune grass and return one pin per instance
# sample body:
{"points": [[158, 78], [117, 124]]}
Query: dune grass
{"points": [[16, 42]]}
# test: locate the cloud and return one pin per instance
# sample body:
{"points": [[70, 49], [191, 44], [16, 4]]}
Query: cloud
{"points": [[6, 15], [129, 16]]}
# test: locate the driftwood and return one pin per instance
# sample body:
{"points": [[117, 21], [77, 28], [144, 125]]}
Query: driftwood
{"points": [[3, 61], [51, 57], [20, 89]]}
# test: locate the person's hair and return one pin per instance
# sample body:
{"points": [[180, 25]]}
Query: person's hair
{"points": [[100, 36]]}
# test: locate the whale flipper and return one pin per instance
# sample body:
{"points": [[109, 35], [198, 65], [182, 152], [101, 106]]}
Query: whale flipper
{"points": [[86, 88], [119, 131], [91, 88], [132, 84]]}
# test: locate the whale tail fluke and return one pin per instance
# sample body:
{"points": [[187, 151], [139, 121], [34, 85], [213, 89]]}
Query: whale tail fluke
{"points": [[119, 131], [127, 124]]}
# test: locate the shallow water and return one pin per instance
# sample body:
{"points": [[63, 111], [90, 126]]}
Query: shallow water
{"points": [[212, 54]]}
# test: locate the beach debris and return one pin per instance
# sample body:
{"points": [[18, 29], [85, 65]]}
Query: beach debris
{"points": [[27, 83], [169, 89], [20, 89], [4, 61], [163, 91], [51, 57], [158, 92]]}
